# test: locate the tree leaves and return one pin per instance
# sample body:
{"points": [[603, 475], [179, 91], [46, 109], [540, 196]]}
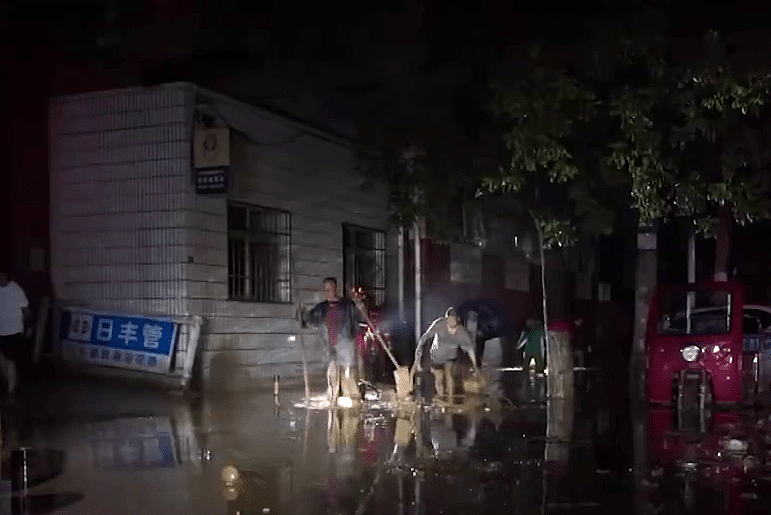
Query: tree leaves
{"points": [[704, 110], [678, 126], [548, 114]]}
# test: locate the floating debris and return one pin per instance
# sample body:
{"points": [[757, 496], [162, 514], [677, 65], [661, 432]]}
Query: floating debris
{"points": [[319, 402]]}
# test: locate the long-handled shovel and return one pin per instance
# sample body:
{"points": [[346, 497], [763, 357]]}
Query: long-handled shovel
{"points": [[402, 378]]}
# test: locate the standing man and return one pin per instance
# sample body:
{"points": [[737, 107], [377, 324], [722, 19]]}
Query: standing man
{"points": [[341, 319], [444, 337], [14, 308]]}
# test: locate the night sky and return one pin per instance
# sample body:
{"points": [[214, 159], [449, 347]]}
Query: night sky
{"points": [[328, 65], [259, 51], [425, 62]]}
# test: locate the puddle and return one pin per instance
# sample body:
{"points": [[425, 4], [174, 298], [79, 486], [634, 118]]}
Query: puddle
{"points": [[509, 450], [480, 455], [720, 465], [38, 504]]}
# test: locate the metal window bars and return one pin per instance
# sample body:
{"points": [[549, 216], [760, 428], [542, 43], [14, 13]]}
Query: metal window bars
{"points": [[364, 260], [259, 247]]}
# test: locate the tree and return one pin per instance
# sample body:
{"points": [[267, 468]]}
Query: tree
{"points": [[692, 140], [548, 114], [673, 127]]}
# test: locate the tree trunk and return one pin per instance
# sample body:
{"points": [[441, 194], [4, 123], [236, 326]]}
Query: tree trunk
{"points": [[647, 277], [640, 439], [558, 283], [559, 356], [692, 257], [560, 364], [537, 223], [723, 244], [560, 414]]}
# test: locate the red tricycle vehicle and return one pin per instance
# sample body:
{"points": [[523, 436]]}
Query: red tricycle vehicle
{"points": [[702, 347]]}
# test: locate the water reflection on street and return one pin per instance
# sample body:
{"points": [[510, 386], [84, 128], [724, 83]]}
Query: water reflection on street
{"points": [[113, 450], [718, 465]]}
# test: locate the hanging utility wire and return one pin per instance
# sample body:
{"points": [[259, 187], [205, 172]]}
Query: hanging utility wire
{"points": [[248, 137]]}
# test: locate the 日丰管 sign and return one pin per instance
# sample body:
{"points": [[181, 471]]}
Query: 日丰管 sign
{"points": [[122, 341]]}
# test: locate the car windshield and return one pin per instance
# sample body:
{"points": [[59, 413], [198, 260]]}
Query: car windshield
{"points": [[695, 312]]}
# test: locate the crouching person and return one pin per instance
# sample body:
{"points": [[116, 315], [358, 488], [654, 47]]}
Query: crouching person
{"points": [[443, 339]]}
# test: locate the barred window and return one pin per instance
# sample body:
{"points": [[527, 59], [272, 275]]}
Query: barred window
{"points": [[258, 254], [364, 261]]}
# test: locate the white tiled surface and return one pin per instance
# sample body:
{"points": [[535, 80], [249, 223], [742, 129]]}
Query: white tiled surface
{"points": [[121, 182], [128, 232]]}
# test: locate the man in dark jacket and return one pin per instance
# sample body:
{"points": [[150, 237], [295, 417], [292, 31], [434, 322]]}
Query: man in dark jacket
{"points": [[340, 319]]}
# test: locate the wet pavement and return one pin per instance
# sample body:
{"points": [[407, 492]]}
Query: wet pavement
{"points": [[109, 448]]}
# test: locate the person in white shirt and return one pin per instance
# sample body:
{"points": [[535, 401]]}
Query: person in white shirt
{"points": [[14, 308]]}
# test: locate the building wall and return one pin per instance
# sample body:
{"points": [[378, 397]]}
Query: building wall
{"points": [[279, 165], [120, 208], [129, 233], [441, 292], [120, 187]]}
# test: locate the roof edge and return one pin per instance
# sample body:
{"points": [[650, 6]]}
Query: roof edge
{"points": [[260, 111]]}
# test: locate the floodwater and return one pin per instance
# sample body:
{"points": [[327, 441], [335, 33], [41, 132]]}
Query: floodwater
{"points": [[108, 448]]}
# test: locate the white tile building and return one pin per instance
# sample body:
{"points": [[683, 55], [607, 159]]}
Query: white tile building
{"points": [[130, 234]]}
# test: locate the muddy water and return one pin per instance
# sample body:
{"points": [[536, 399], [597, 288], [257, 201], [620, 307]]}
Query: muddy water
{"points": [[110, 449]]}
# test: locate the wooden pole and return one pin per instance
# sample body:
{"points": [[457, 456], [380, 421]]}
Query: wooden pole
{"points": [[301, 320]]}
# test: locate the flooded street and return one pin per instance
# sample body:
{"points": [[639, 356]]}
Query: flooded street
{"points": [[112, 449]]}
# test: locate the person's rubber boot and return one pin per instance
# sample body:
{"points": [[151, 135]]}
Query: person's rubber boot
{"points": [[350, 385], [362, 390], [333, 383]]}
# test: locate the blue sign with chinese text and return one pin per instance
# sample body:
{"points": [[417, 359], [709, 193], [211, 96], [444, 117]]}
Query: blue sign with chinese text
{"points": [[212, 180], [117, 340], [133, 444]]}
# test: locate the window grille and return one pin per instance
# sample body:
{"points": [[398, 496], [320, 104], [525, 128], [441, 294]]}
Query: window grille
{"points": [[364, 261], [259, 247]]}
